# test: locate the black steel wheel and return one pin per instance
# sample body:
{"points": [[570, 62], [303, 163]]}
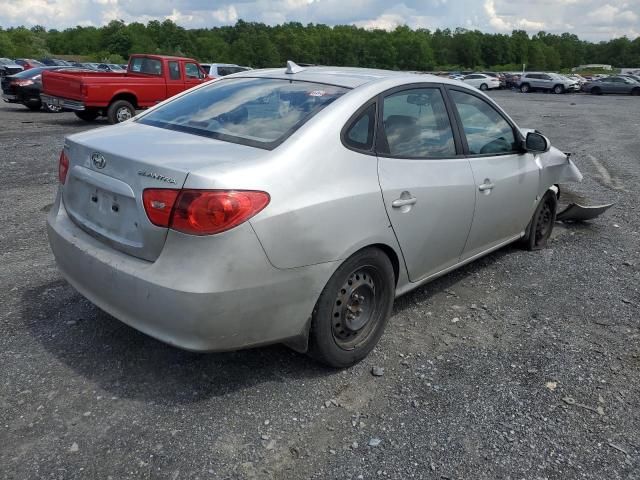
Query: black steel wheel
{"points": [[541, 225], [353, 309]]}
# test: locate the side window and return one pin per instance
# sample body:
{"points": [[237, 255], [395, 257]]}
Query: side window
{"points": [[174, 70], [359, 134], [192, 70], [545, 77], [486, 130], [416, 125]]}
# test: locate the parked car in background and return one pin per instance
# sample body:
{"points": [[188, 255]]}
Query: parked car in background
{"points": [[9, 67], [631, 76], [456, 76], [25, 88], [511, 80], [482, 81], [149, 80], [181, 223], [550, 82], [55, 62], [579, 79], [614, 84], [28, 63], [110, 67], [499, 76], [223, 69]]}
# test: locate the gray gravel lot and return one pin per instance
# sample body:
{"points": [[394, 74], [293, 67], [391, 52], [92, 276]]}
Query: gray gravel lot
{"points": [[523, 365]]}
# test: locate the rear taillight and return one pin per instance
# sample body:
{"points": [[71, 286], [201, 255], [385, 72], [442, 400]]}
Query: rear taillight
{"points": [[158, 203], [202, 212], [63, 167]]}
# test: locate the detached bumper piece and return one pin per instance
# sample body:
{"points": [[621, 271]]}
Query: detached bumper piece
{"points": [[579, 213], [62, 102]]}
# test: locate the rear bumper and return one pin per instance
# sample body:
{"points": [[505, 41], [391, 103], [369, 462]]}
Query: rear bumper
{"points": [[65, 103], [203, 293]]}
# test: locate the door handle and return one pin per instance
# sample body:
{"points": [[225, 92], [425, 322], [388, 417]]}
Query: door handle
{"points": [[401, 202], [487, 185]]}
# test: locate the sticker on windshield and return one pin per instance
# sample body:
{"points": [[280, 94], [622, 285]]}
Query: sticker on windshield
{"points": [[317, 93]]}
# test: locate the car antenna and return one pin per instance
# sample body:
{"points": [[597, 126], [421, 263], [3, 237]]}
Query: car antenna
{"points": [[293, 67]]}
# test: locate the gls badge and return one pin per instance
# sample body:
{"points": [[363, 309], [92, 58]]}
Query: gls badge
{"points": [[98, 160]]}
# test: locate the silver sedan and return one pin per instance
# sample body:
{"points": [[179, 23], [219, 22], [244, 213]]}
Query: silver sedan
{"points": [[293, 205]]}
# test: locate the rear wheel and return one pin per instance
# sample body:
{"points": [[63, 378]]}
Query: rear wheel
{"points": [[541, 225], [484, 87], [525, 88], [558, 89], [87, 115], [353, 309], [120, 111]]}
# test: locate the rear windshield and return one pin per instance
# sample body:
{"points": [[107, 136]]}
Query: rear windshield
{"points": [[260, 112], [150, 66]]}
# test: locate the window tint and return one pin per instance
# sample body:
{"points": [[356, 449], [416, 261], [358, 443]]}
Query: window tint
{"points": [[192, 70], [545, 77], [223, 71], [360, 133], [174, 70], [150, 66], [485, 129], [416, 124], [260, 112]]}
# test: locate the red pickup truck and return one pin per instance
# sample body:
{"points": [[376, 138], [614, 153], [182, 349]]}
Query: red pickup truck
{"points": [[149, 80]]}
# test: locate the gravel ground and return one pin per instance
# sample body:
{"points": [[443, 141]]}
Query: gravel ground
{"points": [[523, 365]]}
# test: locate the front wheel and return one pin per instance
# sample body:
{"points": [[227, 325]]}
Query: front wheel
{"points": [[120, 111], [541, 224], [34, 106], [484, 87], [558, 89], [353, 309]]}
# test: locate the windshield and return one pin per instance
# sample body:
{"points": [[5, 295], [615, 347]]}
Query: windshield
{"points": [[260, 112]]}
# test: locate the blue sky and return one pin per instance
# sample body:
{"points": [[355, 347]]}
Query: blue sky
{"points": [[589, 19]]}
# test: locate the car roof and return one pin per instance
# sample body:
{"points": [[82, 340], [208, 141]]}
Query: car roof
{"points": [[348, 77]]}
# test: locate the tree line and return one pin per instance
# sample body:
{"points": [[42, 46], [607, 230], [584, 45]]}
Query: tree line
{"points": [[259, 45]]}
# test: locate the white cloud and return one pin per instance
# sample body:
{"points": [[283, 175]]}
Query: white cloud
{"points": [[591, 19]]}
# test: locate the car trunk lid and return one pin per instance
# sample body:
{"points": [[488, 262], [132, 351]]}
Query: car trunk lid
{"points": [[110, 168]]}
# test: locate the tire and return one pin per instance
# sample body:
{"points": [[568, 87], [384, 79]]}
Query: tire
{"points": [[47, 107], [596, 91], [558, 89], [33, 106], [541, 224], [87, 115], [120, 111], [353, 309], [525, 88], [484, 87], [635, 92]]}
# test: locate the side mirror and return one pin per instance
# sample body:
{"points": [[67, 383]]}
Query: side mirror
{"points": [[536, 142]]}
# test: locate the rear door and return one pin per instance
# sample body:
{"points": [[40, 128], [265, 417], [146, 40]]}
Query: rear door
{"points": [[427, 184], [175, 80], [506, 179]]}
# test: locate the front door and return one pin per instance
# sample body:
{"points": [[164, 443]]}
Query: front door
{"points": [[427, 185], [506, 179]]}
